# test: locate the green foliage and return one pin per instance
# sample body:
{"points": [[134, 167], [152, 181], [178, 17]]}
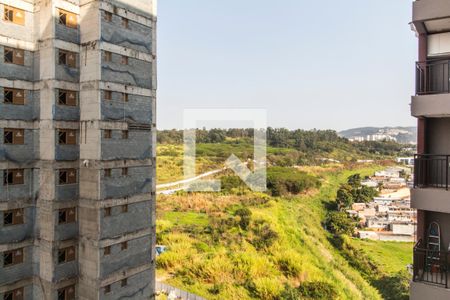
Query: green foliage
{"points": [[264, 235], [354, 180], [339, 222], [317, 290], [245, 216], [310, 290], [266, 288], [283, 181], [231, 183], [344, 196], [290, 263], [394, 286], [353, 191], [284, 243]]}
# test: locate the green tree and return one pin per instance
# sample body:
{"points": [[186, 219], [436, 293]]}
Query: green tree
{"points": [[354, 180], [338, 222], [344, 197]]}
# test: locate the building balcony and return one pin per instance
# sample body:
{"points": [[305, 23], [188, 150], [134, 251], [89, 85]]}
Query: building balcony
{"points": [[431, 183], [430, 273], [432, 89], [432, 77]]}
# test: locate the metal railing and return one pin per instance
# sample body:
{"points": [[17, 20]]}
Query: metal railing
{"points": [[432, 77], [431, 171], [430, 266]]}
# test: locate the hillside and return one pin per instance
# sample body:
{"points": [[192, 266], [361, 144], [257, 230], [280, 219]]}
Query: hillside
{"points": [[404, 135], [245, 245]]}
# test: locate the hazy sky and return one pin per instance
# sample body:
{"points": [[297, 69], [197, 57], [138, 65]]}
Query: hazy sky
{"points": [[311, 64]]}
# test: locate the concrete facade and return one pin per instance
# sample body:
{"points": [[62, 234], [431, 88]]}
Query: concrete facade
{"points": [[77, 116], [430, 196]]}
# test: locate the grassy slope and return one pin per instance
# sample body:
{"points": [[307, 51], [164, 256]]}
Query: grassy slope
{"points": [[392, 257], [213, 270]]}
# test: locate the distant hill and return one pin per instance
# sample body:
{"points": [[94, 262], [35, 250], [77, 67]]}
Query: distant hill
{"points": [[405, 135]]}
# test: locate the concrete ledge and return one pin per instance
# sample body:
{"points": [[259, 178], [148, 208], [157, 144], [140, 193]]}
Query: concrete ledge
{"points": [[431, 199], [17, 284], [424, 10], [124, 274], [96, 203], [431, 105], [420, 291], [12, 246]]}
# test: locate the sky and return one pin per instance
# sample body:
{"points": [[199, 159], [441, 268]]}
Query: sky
{"points": [[311, 64]]}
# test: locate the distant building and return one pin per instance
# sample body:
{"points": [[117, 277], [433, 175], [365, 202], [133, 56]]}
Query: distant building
{"points": [[409, 161]]}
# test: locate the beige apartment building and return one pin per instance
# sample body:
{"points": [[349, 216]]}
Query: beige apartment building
{"points": [[431, 195]]}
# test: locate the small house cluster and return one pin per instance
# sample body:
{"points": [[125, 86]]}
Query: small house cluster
{"points": [[389, 216]]}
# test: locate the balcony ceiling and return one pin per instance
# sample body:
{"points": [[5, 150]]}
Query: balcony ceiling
{"points": [[440, 25]]}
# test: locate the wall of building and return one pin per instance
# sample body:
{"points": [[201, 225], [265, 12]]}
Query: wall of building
{"points": [[118, 260], [17, 272], [119, 223], [138, 181], [138, 288], [437, 136]]}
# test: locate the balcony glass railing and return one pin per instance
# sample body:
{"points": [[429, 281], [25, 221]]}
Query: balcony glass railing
{"points": [[432, 77], [431, 171], [430, 266]]}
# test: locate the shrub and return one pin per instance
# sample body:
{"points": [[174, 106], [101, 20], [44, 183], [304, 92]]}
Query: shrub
{"points": [[266, 288], [264, 235], [282, 181], [317, 290], [245, 215], [290, 263], [229, 183]]}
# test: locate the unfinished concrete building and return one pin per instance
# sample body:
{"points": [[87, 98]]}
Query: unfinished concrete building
{"points": [[77, 114]]}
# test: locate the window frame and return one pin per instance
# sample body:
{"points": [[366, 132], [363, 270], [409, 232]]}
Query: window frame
{"points": [[70, 136], [14, 295], [15, 60], [68, 217], [68, 22], [15, 139], [16, 259], [65, 253], [16, 99], [124, 246], [67, 61], [70, 179], [67, 97], [107, 212], [124, 282], [125, 23], [14, 181], [64, 292], [108, 56], [107, 95], [15, 219], [107, 134], [17, 20], [108, 16]]}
